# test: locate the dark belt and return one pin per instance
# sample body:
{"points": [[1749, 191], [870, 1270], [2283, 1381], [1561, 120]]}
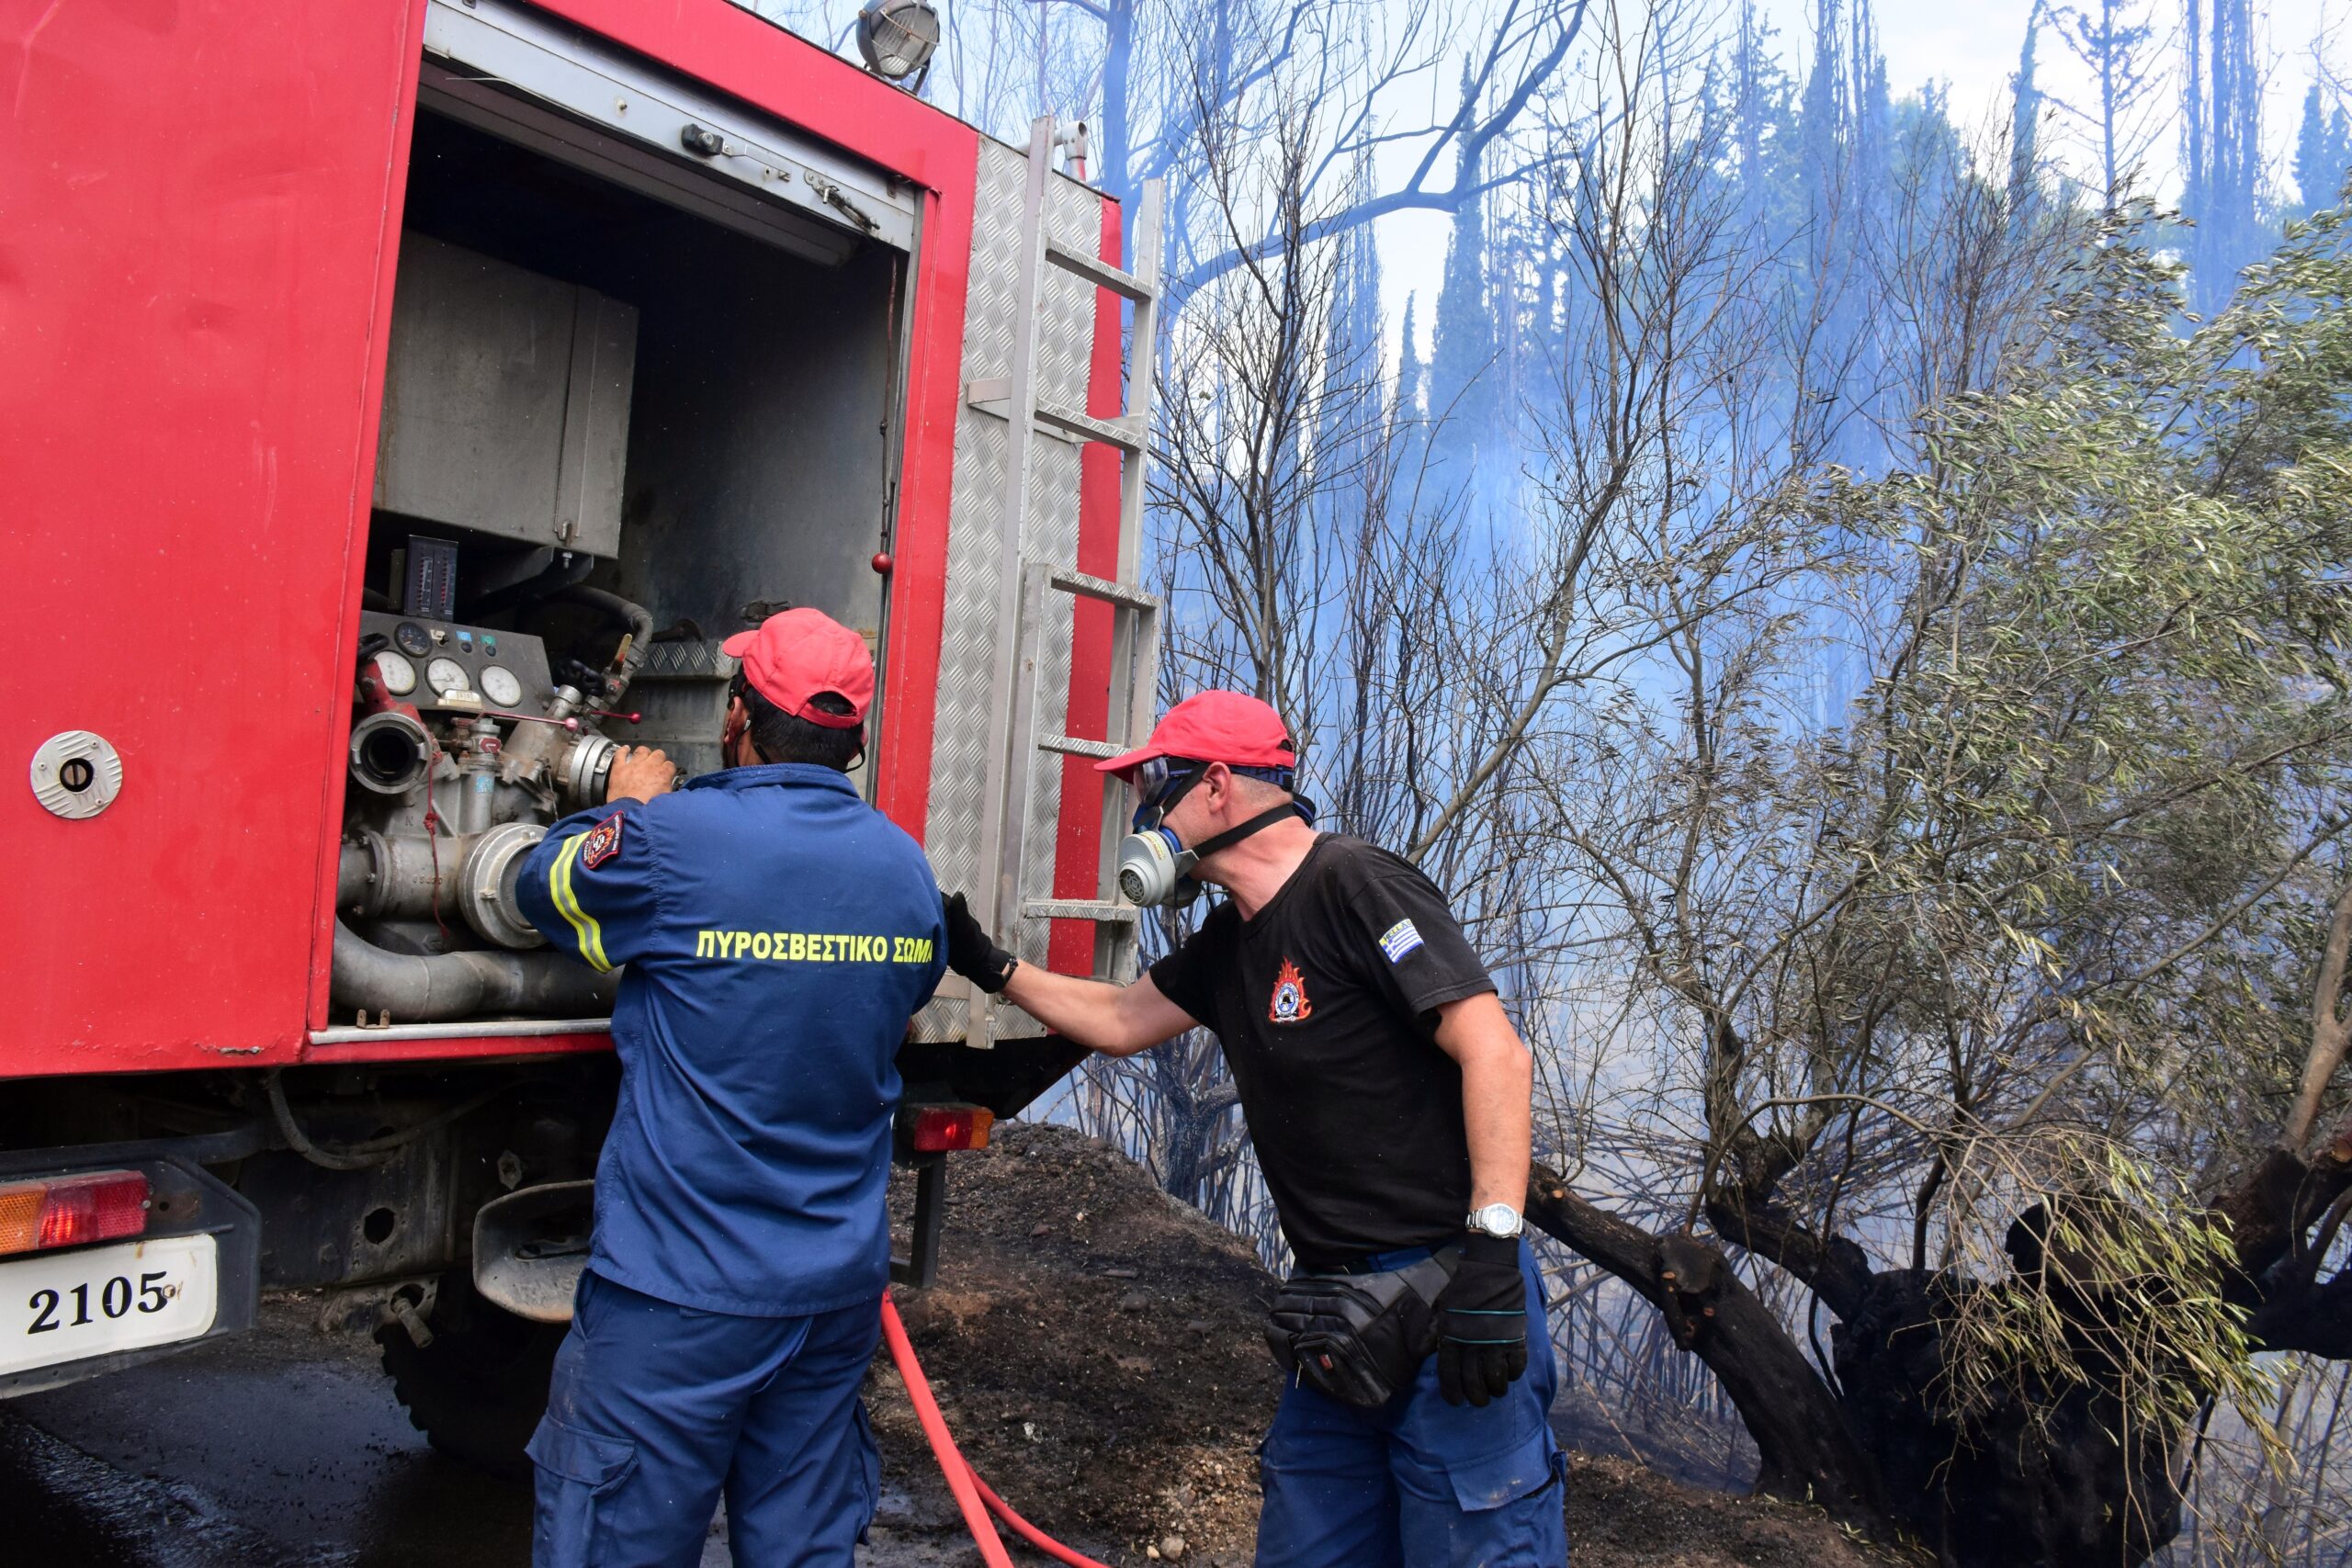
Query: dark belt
{"points": [[1378, 1262]]}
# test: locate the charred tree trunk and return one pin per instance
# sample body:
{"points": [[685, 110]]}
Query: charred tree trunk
{"points": [[2284, 1214], [1809, 1454], [2040, 1480]]}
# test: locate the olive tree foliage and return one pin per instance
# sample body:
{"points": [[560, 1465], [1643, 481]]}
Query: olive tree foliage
{"points": [[1979, 1010]]}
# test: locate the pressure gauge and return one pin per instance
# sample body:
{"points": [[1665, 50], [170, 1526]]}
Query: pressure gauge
{"points": [[411, 640], [397, 673], [447, 675], [498, 684]]}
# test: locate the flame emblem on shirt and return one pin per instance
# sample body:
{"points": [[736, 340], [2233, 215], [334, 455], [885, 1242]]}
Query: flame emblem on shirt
{"points": [[1290, 1004], [604, 841]]}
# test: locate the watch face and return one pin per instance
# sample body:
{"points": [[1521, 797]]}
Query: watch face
{"points": [[1496, 1219]]}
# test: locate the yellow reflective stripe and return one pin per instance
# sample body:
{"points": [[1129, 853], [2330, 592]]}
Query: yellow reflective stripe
{"points": [[566, 904]]}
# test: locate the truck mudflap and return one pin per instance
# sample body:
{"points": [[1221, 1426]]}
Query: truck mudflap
{"points": [[190, 1272]]}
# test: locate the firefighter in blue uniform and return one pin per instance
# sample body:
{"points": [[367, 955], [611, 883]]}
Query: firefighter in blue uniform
{"points": [[779, 933]]}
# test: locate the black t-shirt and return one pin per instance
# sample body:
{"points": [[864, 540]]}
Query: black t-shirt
{"points": [[1324, 1001]]}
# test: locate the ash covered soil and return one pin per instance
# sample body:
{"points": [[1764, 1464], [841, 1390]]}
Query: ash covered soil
{"points": [[1095, 1348]]}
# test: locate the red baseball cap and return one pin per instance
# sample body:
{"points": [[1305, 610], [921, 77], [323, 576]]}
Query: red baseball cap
{"points": [[792, 656], [1213, 727]]}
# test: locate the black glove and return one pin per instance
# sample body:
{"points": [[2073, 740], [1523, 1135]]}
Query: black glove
{"points": [[1482, 1322], [972, 952]]}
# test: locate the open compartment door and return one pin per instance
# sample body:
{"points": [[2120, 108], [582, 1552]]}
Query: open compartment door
{"points": [[202, 200]]}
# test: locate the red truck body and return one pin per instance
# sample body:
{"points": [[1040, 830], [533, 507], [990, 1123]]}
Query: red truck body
{"points": [[203, 207], [204, 230]]}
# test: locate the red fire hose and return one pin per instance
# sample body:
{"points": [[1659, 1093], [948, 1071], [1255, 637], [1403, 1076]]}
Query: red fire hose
{"points": [[973, 1496]]}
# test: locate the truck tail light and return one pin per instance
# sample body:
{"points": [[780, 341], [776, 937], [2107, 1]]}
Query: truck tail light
{"points": [[66, 1211], [937, 1128]]}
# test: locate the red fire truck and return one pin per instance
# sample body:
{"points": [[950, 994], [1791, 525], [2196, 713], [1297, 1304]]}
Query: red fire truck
{"points": [[402, 399]]}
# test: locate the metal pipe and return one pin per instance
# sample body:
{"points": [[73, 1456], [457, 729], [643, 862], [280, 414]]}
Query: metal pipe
{"points": [[514, 1029], [640, 620], [382, 877], [532, 745], [449, 986]]}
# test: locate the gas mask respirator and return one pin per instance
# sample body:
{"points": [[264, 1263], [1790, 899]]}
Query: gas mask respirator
{"points": [[1155, 866]]}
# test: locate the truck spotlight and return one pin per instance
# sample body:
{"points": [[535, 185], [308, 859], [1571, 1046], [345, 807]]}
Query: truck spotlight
{"points": [[896, 38]]}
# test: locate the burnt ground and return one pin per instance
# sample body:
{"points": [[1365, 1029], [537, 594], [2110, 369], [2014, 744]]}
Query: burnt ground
{"points": [[1095, 1346]]}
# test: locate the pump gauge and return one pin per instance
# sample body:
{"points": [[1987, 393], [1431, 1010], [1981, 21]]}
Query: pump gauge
{"points": [[499, 685], [397, 673], [411, 640], [446, 675]]}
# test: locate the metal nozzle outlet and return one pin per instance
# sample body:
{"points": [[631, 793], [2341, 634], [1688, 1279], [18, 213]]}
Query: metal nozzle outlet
{"points": [[391, 752]]}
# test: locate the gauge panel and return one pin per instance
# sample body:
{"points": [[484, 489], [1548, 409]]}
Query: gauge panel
{"points": [[509, 670]]}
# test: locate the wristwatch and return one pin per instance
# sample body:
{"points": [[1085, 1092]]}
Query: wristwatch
{"points": [[1495, 1219]]}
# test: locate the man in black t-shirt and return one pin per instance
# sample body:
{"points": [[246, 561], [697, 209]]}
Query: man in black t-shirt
{"points": [[1388, 1100]]}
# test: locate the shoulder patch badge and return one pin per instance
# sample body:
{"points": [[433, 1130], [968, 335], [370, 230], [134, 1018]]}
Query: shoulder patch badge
{"points": [[604, 841], [1289, 1004], [1400, 940]]}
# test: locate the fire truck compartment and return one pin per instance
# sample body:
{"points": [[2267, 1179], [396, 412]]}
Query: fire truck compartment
{"points": [[615, 431]]}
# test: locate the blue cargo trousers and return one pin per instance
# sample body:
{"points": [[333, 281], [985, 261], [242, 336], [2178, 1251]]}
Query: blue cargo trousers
{"points": [[1418, 1483], [655, 1410]]}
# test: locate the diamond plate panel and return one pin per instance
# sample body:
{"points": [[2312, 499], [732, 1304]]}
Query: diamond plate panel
{"points": [[688, 658], [965, 727]]}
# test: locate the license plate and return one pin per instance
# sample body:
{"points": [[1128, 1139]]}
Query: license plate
{"points": [[72, 1305]]}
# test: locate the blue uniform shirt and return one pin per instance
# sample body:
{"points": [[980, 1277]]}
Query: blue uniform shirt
{"points": [[779, 932]]}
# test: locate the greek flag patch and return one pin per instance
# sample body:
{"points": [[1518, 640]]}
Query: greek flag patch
{"points": [[1400, 940]]}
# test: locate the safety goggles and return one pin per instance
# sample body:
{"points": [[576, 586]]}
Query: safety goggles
{"points": [[1154, 775], [1161, 782]]}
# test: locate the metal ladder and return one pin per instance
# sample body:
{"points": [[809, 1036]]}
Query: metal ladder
{"points": [[1023, 585]]}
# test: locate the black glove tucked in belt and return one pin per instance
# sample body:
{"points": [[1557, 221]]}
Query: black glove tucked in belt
{"points": [[1482, 1322], [972, 952]]}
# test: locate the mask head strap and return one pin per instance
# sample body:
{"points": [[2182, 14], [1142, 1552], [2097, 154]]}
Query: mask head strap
{"points": [[1234, 835]]}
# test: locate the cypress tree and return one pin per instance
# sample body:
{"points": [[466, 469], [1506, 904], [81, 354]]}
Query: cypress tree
{"points": [[1410, 389], [1461, 347], [2025, 119], [2322, 153]]}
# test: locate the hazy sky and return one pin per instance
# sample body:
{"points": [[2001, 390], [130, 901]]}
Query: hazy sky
{"points": [[1972, 47]]}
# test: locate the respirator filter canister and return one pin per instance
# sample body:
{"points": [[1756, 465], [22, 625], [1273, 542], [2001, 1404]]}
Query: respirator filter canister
{"points": [[1153, 867]]}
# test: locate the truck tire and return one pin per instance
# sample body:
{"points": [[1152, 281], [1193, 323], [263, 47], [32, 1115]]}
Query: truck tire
{"points": [[477, 1390]]}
